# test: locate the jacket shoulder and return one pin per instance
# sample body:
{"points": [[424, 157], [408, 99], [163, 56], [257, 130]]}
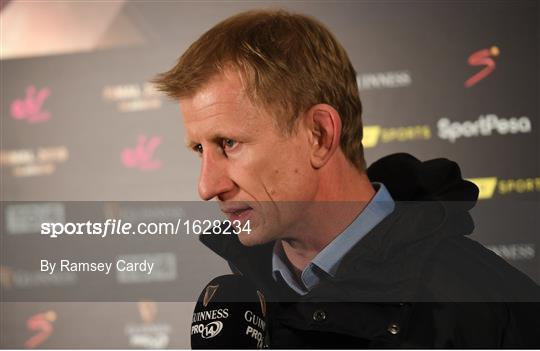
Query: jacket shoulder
{"points": [[480, 299], [461, 269]]}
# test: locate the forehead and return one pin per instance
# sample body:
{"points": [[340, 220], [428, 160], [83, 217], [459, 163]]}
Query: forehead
{"points": [[222, 107], [223, 91]]}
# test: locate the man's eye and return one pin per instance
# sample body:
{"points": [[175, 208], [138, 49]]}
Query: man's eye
{"points": [[198, 148], [228, 143]]}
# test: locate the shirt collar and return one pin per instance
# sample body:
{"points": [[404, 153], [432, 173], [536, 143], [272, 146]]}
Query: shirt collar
{"points": [[327, 261], [380, 206]]}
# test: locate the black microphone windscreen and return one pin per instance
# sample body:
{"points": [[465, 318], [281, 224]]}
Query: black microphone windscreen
{"points": [[230, 313]]}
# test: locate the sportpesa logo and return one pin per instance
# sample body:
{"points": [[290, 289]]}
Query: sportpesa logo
{"points": [[452, 131], [485, 125]]}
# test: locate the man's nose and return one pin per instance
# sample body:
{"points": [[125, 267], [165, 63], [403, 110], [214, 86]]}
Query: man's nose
{"points": [[214, 178]]}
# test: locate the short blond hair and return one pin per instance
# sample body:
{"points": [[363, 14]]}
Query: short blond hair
{"points": [[288, 63]]}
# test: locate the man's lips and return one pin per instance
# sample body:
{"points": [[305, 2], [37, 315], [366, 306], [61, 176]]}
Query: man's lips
{"points": [[238, 213]]}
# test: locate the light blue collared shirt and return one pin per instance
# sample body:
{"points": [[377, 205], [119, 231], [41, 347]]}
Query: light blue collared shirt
{"points": [[327, 261]]}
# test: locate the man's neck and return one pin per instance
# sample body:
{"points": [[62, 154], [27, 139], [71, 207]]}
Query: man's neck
{"points": [[328, 219]]}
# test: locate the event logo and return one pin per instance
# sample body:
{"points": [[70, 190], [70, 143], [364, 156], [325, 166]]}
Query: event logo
{"points": [[6, 277], [383, 80], [147, 311], [29, 162], [149, 335], [514, 252], [488, 186], [209, 293], [482, 57], [211, 329], [262, 300], [518, 186], [210, 315], [162, 212], [142, 155], [26, 218], [132, 97], [30, 108], [485, 125], [372, 135], [256, 327], [11, 278], [42, 323]]}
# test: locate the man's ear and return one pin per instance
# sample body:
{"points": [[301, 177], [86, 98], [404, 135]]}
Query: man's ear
{"points": [[324, 127]]}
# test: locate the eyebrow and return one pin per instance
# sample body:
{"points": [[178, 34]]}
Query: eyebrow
{"points": [[216, 137]]}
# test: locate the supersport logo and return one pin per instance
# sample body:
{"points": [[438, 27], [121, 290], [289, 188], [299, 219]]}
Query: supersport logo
{"points": [[482, 57], [42, 323]]}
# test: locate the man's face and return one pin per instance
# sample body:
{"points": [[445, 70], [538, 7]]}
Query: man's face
{"points": [[247, 163]]}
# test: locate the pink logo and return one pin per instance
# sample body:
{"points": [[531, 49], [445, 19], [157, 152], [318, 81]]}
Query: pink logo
{"points": [[29, 108], [141, 156]]}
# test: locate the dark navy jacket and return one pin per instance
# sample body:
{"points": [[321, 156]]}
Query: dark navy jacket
{"points": [[415, 281]]}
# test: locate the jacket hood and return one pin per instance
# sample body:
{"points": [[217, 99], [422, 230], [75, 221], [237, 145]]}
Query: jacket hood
{"points": [[409, 179]]}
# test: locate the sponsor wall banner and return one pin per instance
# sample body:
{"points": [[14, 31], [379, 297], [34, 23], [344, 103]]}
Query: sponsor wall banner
{"points": [[84, 134]]}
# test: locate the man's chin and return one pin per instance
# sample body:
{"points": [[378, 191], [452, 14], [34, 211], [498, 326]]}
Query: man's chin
{"points": [[253, 239]]}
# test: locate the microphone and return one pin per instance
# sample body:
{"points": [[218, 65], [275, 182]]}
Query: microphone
{"points": [[230, 314]]}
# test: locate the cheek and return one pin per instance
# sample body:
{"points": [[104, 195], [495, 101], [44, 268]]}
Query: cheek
{"points": [[257, 177], [274, 173], [273, 181], [290, 179]]}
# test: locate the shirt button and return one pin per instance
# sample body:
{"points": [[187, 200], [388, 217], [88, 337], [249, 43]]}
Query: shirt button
{"points": [[319, 316], [393, 329]]}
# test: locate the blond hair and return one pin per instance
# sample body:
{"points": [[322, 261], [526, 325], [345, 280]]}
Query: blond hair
{"points": [[288, 63]]}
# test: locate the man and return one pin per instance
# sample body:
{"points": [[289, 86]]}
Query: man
{"points": [[271, 105]]}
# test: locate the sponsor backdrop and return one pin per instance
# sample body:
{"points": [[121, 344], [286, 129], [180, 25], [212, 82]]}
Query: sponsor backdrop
{"points": [[80, 122]]}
